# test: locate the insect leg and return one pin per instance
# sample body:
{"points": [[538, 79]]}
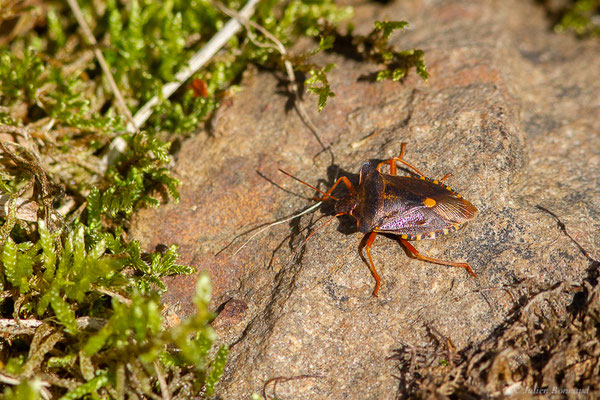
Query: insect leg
{"points": [[315, 231], [418, 255], [366, 243], [393, 161], [392, 166], [346, 182], [448, 175], [398, 159]]}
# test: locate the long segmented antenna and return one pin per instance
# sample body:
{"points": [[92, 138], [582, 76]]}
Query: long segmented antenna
{"points": [[310, 186]]}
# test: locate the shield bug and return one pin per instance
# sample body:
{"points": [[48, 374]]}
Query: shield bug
{"points": [[411, 207]]}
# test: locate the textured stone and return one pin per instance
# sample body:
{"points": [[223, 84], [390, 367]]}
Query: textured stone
{"points": [[511, 109]]}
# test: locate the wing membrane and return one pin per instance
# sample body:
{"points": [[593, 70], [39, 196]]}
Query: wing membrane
{"points": [[454, 209]]}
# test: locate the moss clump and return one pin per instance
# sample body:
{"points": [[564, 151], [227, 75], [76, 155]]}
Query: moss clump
{"points": [[582, 17], [80, 311]]}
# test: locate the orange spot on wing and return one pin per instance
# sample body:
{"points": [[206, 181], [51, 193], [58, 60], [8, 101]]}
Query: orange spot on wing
{"points": [[429, 202]]}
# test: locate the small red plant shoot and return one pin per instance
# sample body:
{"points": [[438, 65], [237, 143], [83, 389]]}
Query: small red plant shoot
{"points": [[411, 207]]}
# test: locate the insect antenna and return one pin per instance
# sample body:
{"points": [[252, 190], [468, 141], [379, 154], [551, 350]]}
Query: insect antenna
{"points": [[315, 231], [309, 185]]}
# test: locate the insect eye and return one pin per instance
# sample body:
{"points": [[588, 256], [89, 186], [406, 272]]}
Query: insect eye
{"points": [[345, 206]]}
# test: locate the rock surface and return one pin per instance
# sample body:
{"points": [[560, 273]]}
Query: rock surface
{"points": [[511, 109]]}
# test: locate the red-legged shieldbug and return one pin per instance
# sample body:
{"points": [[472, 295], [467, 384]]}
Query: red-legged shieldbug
{"points": [[411, 207]]}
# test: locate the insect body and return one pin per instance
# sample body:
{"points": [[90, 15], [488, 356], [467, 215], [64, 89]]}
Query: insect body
{"points": [[412, 208]]}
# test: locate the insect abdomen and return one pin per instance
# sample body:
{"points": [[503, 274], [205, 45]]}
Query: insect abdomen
{"points": [[421, 208]]}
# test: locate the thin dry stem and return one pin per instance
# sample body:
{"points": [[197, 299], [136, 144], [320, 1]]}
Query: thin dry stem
{"points": [[87, 32], [289, 69], [9, 326], [112, 294], [195, 63], [118, 145], [162, 381]]}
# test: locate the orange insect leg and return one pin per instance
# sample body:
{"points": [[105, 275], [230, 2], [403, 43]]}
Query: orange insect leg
{"points": [[370, 238], [448, 175], [418, 255], [346, 182], [393, 161]]}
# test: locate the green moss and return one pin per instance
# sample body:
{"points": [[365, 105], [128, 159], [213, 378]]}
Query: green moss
{"points": [[375, 47], [26, 390], [92, 295], [61, 281], [582, 17]]}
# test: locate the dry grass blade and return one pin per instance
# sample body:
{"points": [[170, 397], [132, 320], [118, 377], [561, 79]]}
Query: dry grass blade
{"points": [[103, 64], [118, 145], [195, 63]]}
